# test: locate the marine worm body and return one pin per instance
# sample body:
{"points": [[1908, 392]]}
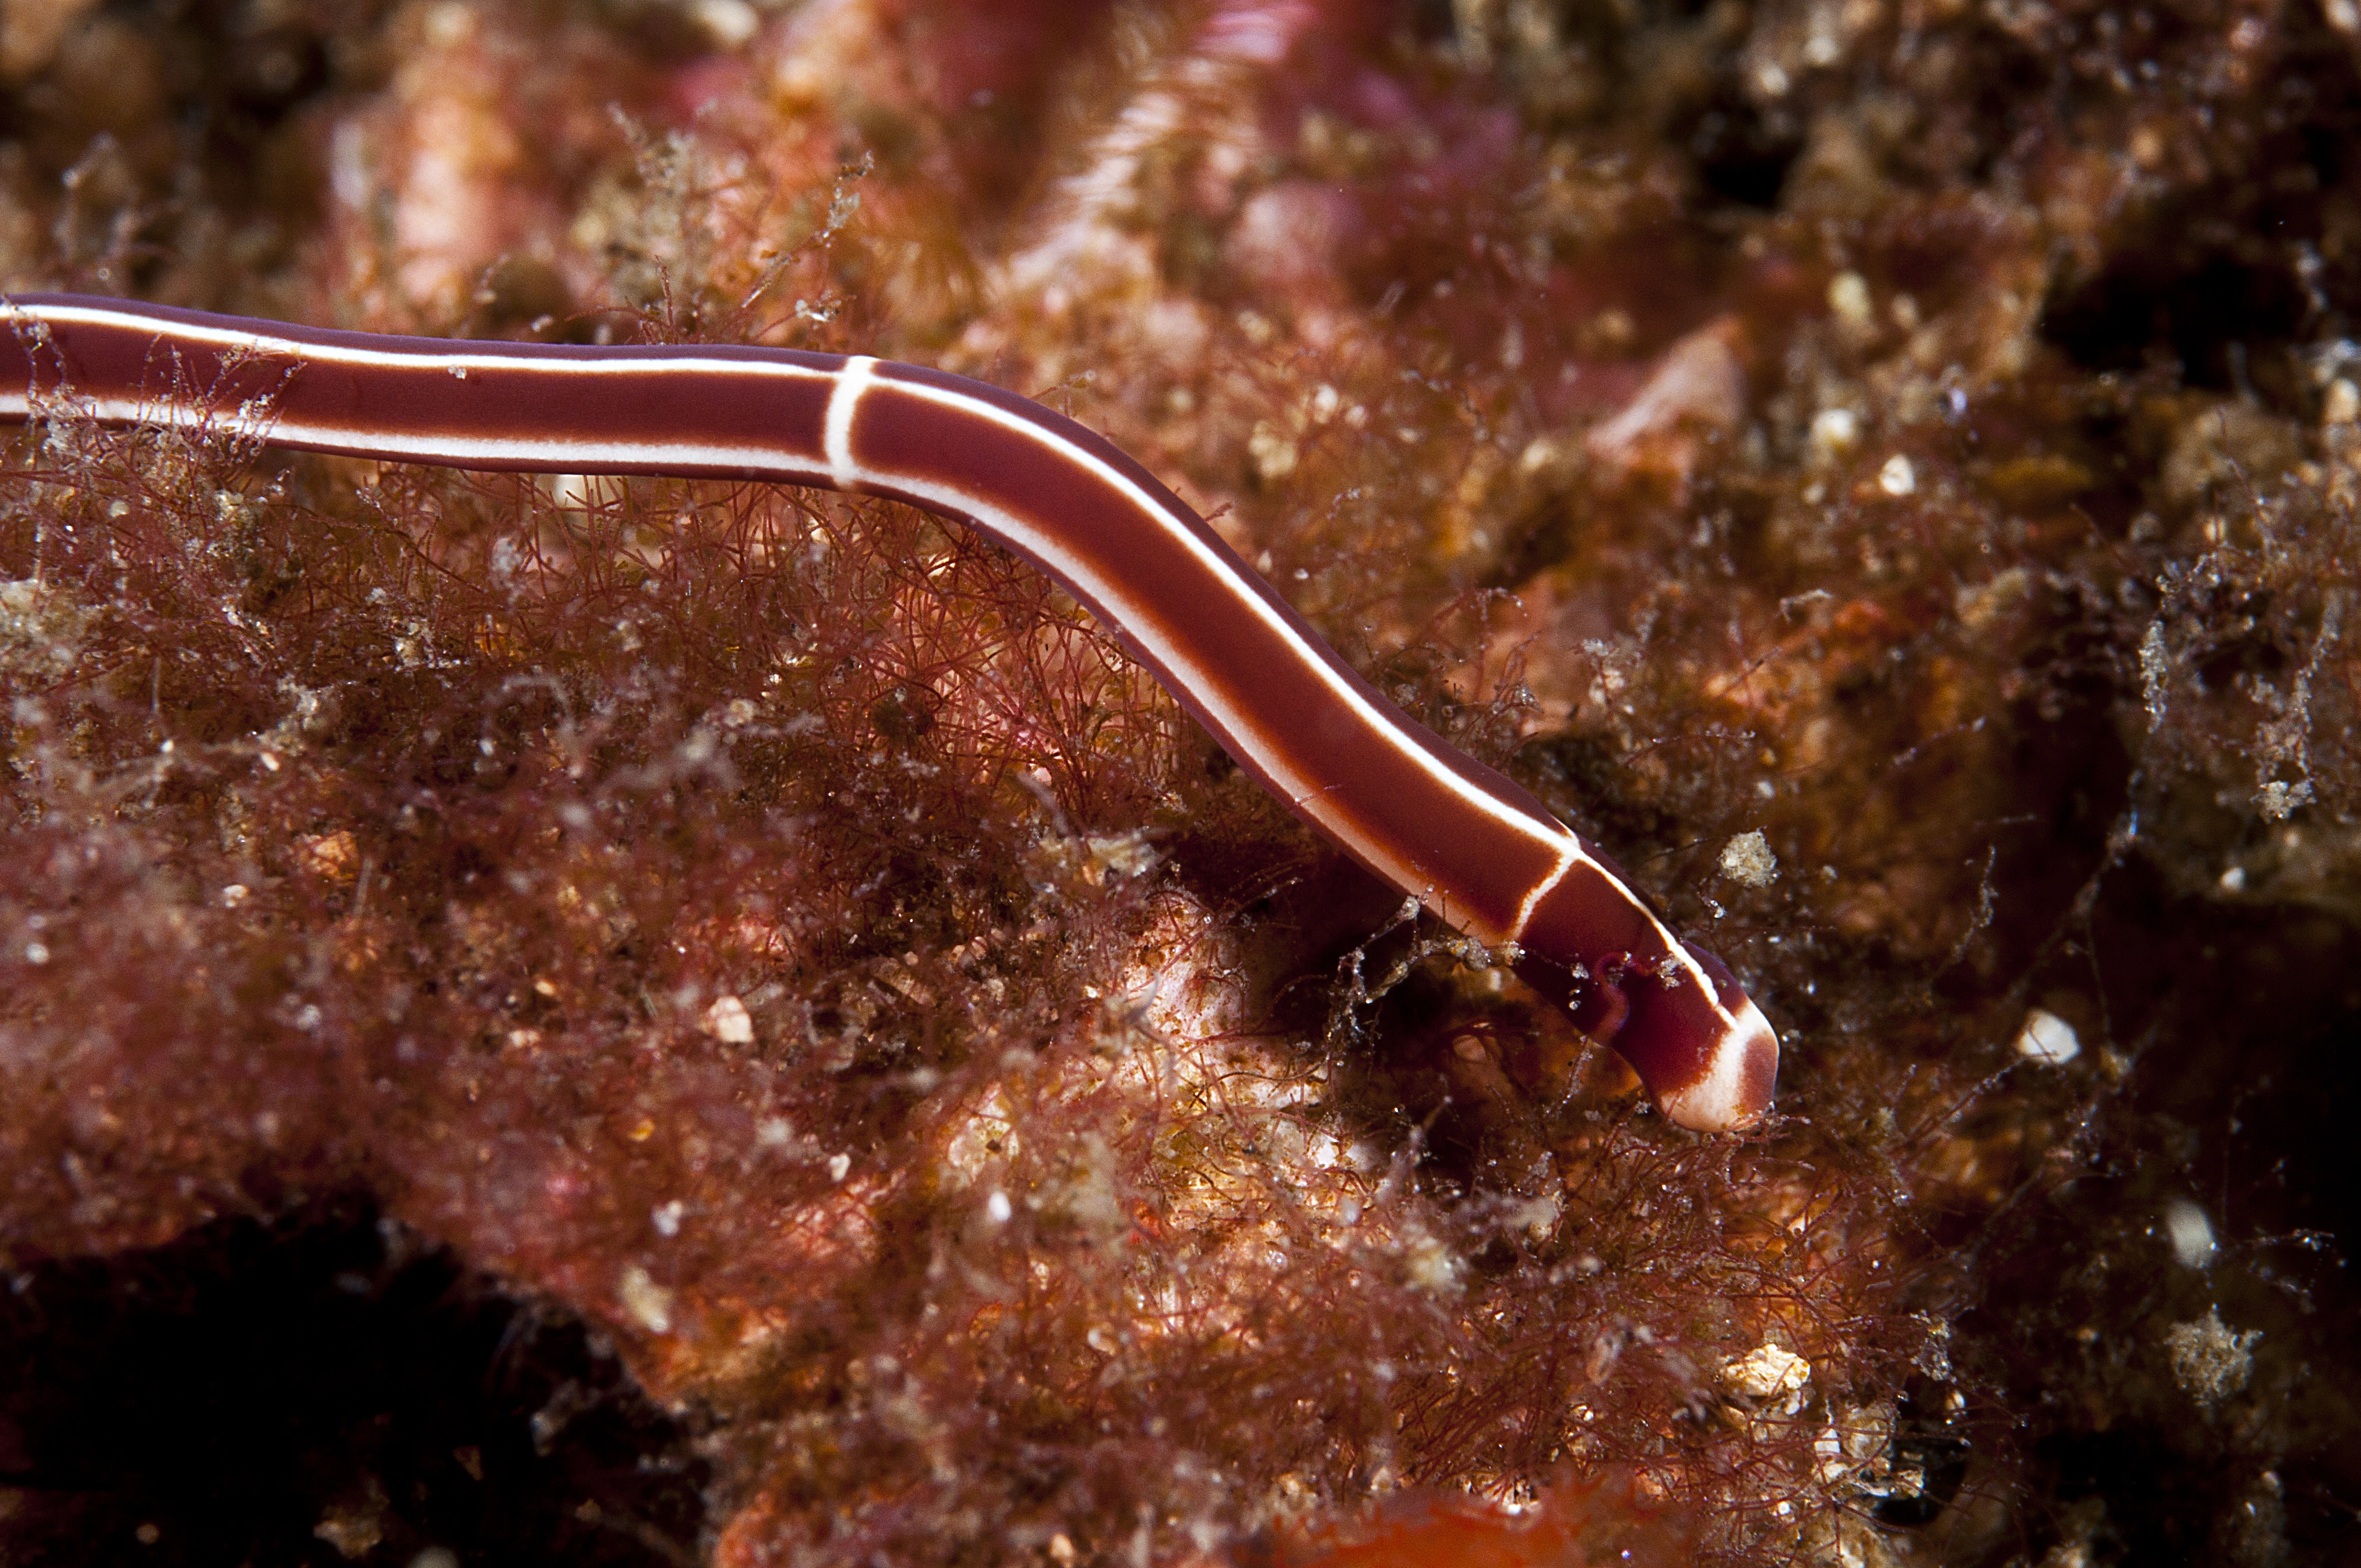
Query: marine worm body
{"points": [[1475, 847]]}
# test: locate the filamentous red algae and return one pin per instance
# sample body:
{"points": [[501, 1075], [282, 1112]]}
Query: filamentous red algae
{"points": [[1886, 470]]}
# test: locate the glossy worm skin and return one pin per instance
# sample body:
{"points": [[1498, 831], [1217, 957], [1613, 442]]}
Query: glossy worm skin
{"points": [[1472, 846]]}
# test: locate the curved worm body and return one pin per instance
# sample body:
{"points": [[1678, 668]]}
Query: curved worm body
{"points": [[1472, 846]]}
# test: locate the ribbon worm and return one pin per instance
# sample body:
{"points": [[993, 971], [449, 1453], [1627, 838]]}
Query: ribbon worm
{"points": [[1475, 848]]}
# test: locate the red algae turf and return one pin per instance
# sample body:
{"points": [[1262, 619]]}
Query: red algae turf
{"points": [[770, 1042]]}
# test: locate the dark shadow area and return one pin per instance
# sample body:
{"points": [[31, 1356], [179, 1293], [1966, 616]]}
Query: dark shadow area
{"points": [[2241, 1021], [2212, 312], [1742, 154], [321, 1390]]}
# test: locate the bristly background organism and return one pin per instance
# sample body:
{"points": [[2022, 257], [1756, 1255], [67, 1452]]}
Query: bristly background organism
{"points": [[588, 1021]]}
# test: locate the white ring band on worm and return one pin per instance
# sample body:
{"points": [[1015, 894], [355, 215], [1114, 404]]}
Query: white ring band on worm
{"points": [[1471, 845]]}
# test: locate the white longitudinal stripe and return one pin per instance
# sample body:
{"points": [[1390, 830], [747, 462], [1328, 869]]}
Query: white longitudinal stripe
{"points": [[450, 447], [448, 443], [1126, 604], [451, 355], [836, 440]]}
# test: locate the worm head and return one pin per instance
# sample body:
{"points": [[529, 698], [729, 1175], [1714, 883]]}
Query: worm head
{"points": [[1703, 1047]]}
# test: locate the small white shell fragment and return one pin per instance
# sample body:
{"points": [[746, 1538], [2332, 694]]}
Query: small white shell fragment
{"points": [[2049, 1039], [2190, 1232], [838, 1164], [1899, 476], [728, 23], [1431, 1265], [1849, 299], [1767, 1372], [730, 1022], [649, 1303], [1834, 432], [1124, 854], [1536, 1216]]}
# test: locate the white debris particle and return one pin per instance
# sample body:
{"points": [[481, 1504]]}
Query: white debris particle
{"points": [[1835, 431], [649, 1303], [838, 1164], [2190, 1234], [1536, 1216], [1856, 1446], [1979, 605], [774, 1132], [666, 1217], [1124, 854], [1431, 1265], [1849, 299], [1273, 454], [2155, 670], [728, 23], [37, 952], [234, 895], [1748, 861], [996, 1208], [1898, 477], [2279, 799], [2047, 1039], [1767, 1372], [2210, 1361], [41, 631], [2285, 737], [728, 1022]]}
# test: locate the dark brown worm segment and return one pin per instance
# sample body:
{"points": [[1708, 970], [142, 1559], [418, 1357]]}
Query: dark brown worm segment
{"points": [[1467, 842]]}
